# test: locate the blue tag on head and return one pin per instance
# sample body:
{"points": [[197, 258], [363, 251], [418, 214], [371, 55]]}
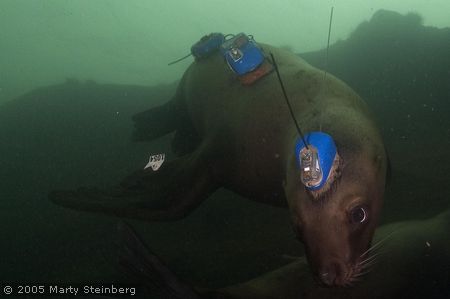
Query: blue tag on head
{"points": [[316, 160]]}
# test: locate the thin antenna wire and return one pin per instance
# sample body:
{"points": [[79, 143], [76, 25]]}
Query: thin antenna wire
{"points": [[328, 43], [325, 71], [178, 60], [287, 101]]}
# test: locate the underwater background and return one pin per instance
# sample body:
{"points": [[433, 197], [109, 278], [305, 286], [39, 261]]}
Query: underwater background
{"points": [[72, 73]]}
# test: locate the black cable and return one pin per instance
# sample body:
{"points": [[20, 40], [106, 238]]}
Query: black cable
{"points": [[287, 101]]}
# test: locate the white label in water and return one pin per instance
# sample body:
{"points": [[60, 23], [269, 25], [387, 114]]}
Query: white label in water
{"points": [[155, 161]]}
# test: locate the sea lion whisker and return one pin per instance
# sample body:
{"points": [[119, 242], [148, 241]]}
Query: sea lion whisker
{"points": [[354, 279], [362, 273], [369, 259], [378, 244], [373, 247], [369, 264], [368, 250]]}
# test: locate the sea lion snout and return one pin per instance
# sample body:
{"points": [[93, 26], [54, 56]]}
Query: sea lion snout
{"points": [[331, 273], [333, 258], [333, 265], [337, 273]]}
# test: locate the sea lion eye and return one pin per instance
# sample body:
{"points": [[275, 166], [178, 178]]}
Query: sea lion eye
{"points": [[358, 215]]}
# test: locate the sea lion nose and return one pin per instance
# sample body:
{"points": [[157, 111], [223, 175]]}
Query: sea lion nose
{"points": [[328, 277], [330, 274]]}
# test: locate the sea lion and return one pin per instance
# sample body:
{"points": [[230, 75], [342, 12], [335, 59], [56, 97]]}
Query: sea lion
{"points": [[413, 261], [243, 138]]}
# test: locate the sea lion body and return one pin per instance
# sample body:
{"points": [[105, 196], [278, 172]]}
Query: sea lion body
{"points": [[253, 124], [243, 138]]}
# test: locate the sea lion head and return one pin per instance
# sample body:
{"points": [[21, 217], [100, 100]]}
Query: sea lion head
{"points": [[338, 224]]}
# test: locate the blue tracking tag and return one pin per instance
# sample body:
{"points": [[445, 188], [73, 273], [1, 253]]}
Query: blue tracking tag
{"points": [[316, 162], [242, 54], [207, 45]]}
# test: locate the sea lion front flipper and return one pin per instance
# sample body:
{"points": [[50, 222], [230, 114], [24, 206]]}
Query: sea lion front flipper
{"points": [[157, 121], [137, 260], [170, 193], [164, 119]]}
